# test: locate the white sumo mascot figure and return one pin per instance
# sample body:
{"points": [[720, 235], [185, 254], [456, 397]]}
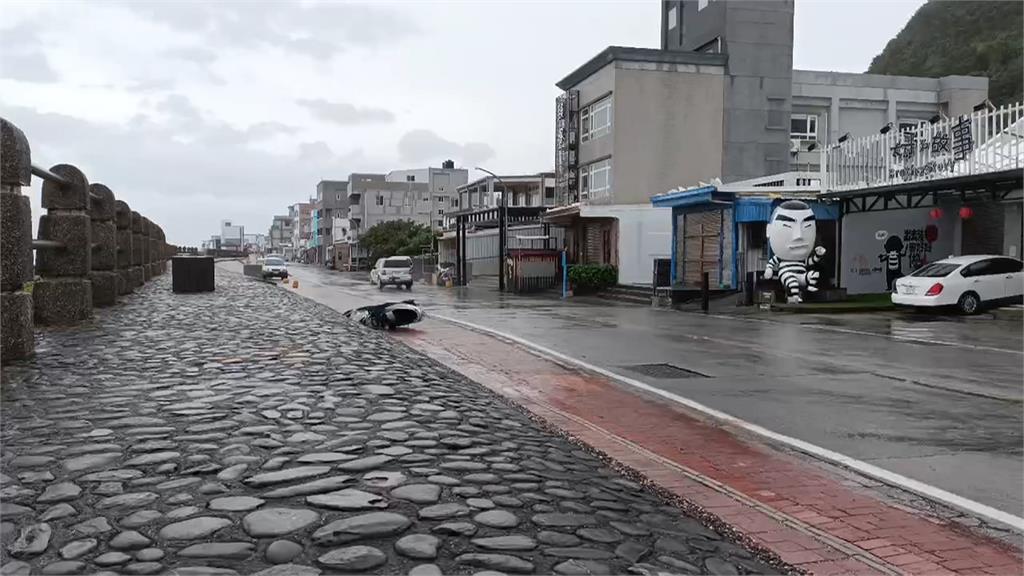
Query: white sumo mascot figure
{"points": [[791, 234]]}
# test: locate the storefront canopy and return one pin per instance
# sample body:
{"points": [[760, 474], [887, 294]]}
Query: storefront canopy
{"points": [[747, 207]]}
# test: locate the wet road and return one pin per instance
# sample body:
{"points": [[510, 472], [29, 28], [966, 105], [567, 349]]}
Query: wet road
{"points": [[938, 400]]}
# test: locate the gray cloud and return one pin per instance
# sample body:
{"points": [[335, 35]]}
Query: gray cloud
{"points": [[196, 54], [22, 57], [317, 30], [185, 186], [346, 114], [421, 146]]}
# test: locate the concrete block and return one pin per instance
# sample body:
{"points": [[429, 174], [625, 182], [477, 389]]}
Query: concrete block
{"points": [[17, 337], [104, 288], [101, 203], [252, 270], [104, 239], [122, 215], [136, 248], [192, 274], [75, 259], [15, 240], [137, 276], [136, 222], [15, 156], [74, 196], [124, 248], [62, 301], [125, 285]]}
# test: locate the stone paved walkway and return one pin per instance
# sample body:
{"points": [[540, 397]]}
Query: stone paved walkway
{"points": [[253, 431]]}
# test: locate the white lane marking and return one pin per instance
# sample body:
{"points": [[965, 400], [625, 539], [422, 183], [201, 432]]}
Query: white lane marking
{"points": [[868, 333], [870, 470]]}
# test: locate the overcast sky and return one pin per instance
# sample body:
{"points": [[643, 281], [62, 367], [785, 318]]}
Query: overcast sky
{"points": [[194, 112]]}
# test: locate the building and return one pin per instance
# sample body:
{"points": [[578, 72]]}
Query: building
{"points": [[718, 100], [255, 243], [948, 187], [301, 215], [232, 237], [441, 186], [280, 236], [332, 202], [523, 190]]}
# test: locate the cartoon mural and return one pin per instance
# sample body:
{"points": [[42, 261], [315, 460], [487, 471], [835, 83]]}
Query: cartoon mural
{"points": [[791, 235], [893, 258]]}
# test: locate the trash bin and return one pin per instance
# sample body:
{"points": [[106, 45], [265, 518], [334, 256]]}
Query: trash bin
{"points": [[191, 274]]}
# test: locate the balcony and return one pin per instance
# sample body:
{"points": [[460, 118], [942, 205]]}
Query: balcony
{"points": [[488, 217]]}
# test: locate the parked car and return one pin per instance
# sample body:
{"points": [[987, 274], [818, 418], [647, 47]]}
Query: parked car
{"points": [[394, 271], [274, 267], [968, 282]]}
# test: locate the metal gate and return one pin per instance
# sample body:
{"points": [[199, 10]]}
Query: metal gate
{"points": [[702, 247]]}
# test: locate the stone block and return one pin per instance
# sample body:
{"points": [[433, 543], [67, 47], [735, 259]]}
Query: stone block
{"points": [[101, 203], [104, 288], [138, 278], [136, 249], [124, 248], [192, 274], [122, 215], [104, 240], [15, 156], [136, 222], [62, 301], [252, 270], [15, 240], [75, 259], [17, 337], [125, 284], [74, 196]]}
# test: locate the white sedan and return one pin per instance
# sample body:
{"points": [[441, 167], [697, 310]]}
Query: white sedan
{"points": [[967, 282]]}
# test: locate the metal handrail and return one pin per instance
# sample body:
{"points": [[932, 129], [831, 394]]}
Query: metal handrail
{"points": [[47, 244]]}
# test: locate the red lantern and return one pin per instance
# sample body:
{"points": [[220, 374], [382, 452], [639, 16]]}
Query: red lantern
{"points": [[966, 212], [935, 213], [931, 233]]}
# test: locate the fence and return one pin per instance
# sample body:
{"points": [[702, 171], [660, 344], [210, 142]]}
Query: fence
{"points": [[91, 248]]}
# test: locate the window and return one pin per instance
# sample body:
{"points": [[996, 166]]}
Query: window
{"points": [[673, 18], [803, 127], [1007, 266], [909, 125], [979, 268], [596, 179], [702, 4], [380, 199], [337, 196], [410, 178], [455, 202], [426, 196], [596, 119]]}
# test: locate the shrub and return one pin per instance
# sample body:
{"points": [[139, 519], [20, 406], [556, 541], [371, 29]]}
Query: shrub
{"points": [[592, 277]]}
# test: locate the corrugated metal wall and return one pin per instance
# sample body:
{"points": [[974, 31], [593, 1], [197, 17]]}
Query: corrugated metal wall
{"points": [[482, 247]]}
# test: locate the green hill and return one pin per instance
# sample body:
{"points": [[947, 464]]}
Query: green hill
{"points": [[969, 38]]}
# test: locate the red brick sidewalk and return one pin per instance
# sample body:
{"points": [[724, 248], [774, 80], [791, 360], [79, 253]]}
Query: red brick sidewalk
{"points": [[811, 518]]}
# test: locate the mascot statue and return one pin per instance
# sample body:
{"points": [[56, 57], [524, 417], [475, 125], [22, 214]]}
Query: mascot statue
{"points": [[791, 235]]}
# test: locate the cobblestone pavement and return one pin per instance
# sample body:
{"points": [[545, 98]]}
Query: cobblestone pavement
{"points": [[253, 431]]}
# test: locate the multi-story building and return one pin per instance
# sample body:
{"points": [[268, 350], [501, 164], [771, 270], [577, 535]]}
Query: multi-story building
{"points": [[720, 102], [442, 184], [232, 236], [332, 201], [301, 214], [280, 236], [523, 190]]}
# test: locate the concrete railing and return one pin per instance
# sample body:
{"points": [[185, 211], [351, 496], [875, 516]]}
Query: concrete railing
{"points": [[91, 248]]}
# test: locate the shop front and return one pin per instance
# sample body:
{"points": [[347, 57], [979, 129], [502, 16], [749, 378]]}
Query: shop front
{"points": [[724, 234]]}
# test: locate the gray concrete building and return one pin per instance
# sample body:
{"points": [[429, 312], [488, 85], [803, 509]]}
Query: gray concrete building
{"points": [[441, 187], [332, 200], [280, 236]]}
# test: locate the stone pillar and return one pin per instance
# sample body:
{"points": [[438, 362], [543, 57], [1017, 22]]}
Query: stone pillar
{"points": [[63, 294], [16, 327], [123, 222], [137, 276], [146, 247], [104, 246]]}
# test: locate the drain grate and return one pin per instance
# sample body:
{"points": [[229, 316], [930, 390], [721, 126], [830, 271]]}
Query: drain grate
{"points": [[663, 370]]}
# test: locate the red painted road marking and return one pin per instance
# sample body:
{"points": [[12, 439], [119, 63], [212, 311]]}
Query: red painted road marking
{"points": [[810, 518]]}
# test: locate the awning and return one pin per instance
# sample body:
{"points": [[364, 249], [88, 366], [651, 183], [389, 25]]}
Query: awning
{"points": [[688, 197], [759, 209]]}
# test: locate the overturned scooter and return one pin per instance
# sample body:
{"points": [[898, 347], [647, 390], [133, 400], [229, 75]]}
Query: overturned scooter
{"points": [[389, 315]]}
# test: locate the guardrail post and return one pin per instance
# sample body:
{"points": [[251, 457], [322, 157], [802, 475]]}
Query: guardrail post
{"points": [[137, 276], [123, 223], [147, 250], [63, 294], [17, 334], [104, 246]]}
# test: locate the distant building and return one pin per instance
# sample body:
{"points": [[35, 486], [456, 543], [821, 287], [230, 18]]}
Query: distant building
{"points": [[280, 236], [332, 201], [301, 214], [231, 236]]}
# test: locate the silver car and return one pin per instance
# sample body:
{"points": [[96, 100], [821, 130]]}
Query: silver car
{"points": [[392, 271]]}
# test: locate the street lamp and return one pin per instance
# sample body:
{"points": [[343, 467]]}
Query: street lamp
{"points": [[502, 216]]}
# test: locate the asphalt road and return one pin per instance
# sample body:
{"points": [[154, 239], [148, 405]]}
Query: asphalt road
{"points": [[936, 399]]}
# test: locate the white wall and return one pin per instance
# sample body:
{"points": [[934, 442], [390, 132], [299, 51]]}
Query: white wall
{"points": [[860, 268], [645, 233]]}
